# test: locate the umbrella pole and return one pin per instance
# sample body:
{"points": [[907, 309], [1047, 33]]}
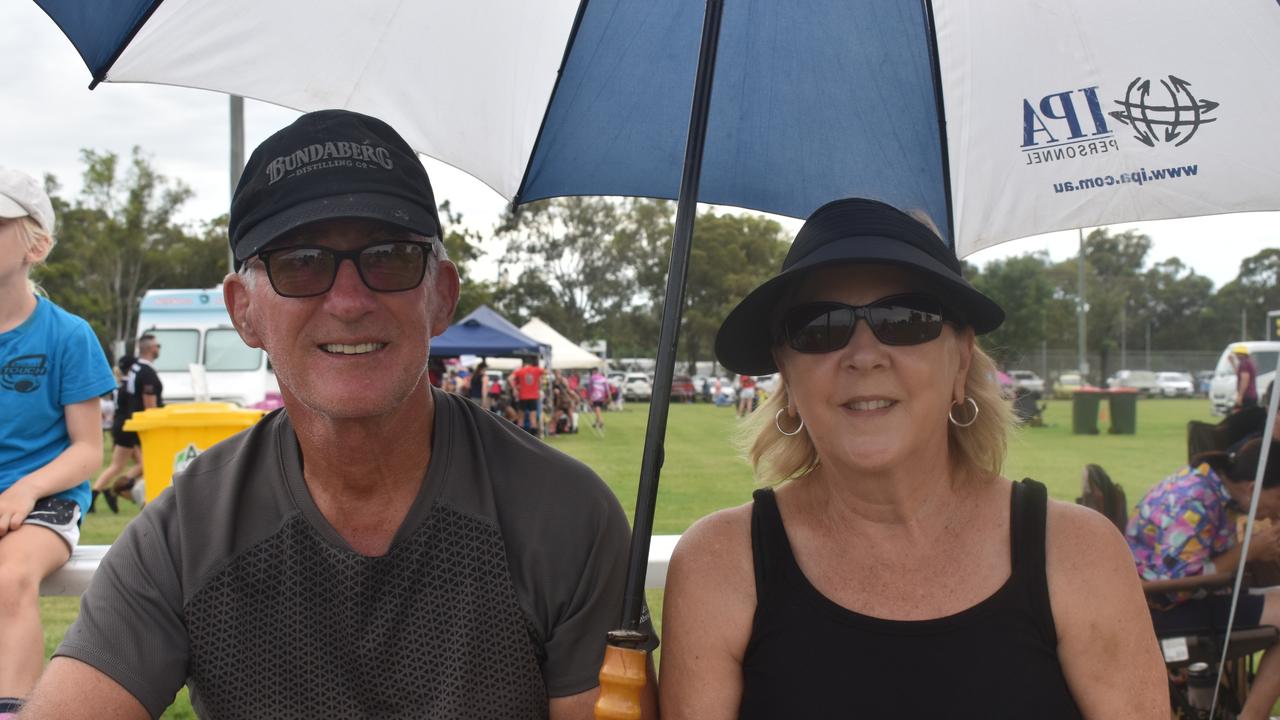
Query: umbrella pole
{"points": [[622, 678]]}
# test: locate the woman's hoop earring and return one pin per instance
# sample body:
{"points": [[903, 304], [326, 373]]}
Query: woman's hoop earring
{"points": [[778, 425], [967, 401]]}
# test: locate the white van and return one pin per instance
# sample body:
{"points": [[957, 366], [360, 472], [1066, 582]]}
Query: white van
{"points": [[1222, 389], [199, 346]]}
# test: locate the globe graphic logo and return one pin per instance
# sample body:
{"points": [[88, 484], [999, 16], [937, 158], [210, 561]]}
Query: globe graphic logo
{"points": [[1174, 116]]}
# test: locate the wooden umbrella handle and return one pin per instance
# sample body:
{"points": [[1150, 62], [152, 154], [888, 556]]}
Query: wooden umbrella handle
{"points": [[622, 680]]}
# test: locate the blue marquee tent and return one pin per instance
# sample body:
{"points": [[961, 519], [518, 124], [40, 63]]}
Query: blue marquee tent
{"points": [[487, 334]]}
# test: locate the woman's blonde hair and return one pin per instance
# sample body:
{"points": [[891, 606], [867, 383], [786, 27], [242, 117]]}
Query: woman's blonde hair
{"points": [[978, 448], [37, 243]]}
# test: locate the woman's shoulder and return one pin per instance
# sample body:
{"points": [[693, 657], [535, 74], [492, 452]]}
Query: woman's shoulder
{"points": [[715, 556], [1083, 548], [723, 537]]}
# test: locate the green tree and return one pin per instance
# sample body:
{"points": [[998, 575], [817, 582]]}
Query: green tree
{"points": [[463, 245], [1177, 304], [1022, 286], [731, 254], [120, 238]]}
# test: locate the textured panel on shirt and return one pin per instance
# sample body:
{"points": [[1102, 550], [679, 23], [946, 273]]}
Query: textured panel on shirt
{"points": [[297, 628]]}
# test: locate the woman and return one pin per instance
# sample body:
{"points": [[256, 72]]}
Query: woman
{"points": [[598, 395], [1187, 526], [126, 452], [893, 572], [52, 372]]}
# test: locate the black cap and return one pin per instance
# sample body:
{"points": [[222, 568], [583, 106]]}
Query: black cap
{"points": [[853, 231], [330, 164]]}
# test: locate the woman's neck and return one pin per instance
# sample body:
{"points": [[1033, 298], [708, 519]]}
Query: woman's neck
{"points": [[16, 303], [895, 496]]}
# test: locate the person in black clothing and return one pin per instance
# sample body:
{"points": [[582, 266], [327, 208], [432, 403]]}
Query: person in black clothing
{"points": [[890, 571], [140, 389], [126, 457], [476, 385]]}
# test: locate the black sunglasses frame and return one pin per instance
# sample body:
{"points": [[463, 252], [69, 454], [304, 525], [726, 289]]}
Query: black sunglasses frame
{"points": [[341, 255], [920, 302]]}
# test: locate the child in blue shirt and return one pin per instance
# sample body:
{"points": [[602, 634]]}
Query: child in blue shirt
{"points": [[52, 372]]}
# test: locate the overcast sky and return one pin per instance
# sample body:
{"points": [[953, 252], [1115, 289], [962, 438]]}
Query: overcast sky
{"points": [[47, 115]]}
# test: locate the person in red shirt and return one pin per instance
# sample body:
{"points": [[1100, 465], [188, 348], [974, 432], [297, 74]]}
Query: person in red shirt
{"points": [[527, 382], [746, 395]]}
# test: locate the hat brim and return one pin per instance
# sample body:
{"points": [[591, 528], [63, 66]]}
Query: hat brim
{"points": [[370, 206], [744, 343], [9, 208]]}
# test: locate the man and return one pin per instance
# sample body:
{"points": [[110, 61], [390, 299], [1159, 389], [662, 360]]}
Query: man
{"points": [[527, 381], [377, 548], [140, 390], [1246, 377]]}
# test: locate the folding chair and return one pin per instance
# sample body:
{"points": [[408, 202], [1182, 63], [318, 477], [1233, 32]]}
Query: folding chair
{"points": [[1184, 649]]}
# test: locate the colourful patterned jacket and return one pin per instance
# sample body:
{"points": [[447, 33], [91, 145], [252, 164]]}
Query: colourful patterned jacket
{"points": [[1181, 525]]}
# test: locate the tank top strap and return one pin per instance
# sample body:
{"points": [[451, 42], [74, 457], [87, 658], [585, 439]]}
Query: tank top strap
{"points": [[770, 548], [1030, 506]]}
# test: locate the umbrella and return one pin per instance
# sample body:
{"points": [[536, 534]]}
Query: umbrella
{"points": [[994, 120]]}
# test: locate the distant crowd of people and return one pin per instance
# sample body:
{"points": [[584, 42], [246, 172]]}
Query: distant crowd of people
{"points": [[530, 397]]}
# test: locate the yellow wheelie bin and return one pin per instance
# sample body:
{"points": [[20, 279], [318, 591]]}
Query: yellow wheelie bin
{"points": [[172, 436]]}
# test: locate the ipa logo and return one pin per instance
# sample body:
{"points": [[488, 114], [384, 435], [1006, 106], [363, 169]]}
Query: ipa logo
{"points": [[1065, 125], [1162, 120], [1056, 120]]}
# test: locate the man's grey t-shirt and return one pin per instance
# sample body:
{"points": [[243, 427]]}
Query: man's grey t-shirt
{"points": [[496, 593]]}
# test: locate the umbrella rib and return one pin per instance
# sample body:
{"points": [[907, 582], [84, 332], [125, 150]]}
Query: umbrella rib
{"points": [[555, 90], [101, 75]]}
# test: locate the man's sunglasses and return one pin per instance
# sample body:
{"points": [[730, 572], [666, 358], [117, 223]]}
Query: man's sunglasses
{"points": [[822, 327], [309, 270]]}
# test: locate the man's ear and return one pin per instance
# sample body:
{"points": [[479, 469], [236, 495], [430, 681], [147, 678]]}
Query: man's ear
{"points": [[238, 299], [445, 290]]}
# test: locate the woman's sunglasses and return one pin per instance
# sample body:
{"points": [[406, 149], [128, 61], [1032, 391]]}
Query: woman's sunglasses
{"points": [[309, 270], [822, 327]]}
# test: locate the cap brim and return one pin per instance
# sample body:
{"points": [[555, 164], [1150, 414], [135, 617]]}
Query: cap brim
{"points": [[744, 343], [9, 208], [387, 208]]}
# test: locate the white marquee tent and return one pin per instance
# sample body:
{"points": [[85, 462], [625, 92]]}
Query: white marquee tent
{"points": [[565, 354]]}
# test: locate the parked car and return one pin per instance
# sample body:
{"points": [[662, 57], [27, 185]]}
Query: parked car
{"points": [[1027, 380], [1222, 390], [637, 386], [1066, 385], [1144, 381], [1176, 384], [682, 388]]}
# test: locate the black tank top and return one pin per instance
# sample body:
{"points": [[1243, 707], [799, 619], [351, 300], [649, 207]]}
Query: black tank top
{"points": [[811, 658]]}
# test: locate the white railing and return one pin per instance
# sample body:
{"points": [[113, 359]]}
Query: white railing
{"points": [[74, 577]]}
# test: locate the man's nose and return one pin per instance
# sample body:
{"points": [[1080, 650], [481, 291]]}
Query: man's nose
{"points": [[349, 294]]}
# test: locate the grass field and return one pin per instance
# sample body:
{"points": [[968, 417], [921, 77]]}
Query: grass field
{"points": [[703, 473]]}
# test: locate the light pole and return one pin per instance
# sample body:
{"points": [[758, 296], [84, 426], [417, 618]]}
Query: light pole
{"points": [[1082, 307], [1124, 335], [237, 157]]}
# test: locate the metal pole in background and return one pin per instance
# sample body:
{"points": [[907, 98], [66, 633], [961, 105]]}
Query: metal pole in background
{"points": [[237, 157], [1148, 344], [1081, 308], [1124, 345]]}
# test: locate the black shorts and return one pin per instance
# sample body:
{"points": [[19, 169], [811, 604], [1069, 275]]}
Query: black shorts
{"points": [[529, 405], [598, 403], [124, 439], [1208, 613]]}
